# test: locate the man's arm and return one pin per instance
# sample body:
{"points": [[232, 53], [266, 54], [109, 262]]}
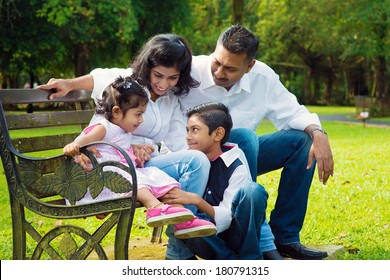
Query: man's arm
{"points": [[321, 152], [62, 87]]}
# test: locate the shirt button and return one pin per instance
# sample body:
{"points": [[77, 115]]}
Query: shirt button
{"points": [[209, 192]]}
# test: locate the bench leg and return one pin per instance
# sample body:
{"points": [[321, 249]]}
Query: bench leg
{"points": [[157, 235]]}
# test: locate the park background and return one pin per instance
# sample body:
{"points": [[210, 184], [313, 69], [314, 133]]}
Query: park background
{"points": [[326, 53]]}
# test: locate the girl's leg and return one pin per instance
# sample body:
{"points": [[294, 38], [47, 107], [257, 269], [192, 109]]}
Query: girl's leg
{"points": [[148, 200], [191, 168], [159, 214]]}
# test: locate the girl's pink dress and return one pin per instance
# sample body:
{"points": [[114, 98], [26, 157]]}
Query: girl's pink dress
{"points": [[157, 181]]}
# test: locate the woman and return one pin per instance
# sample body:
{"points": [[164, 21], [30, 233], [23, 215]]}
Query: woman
{"points": [[163, 67]]}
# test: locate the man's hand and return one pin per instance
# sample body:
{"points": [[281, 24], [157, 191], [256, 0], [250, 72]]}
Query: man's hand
{"points": [[321, 152], [142, 152]]}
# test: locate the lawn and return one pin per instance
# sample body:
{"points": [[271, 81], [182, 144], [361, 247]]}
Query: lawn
{"points": [[351, 210]]}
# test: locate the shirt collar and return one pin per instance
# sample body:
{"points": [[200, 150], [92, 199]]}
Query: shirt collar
{"points": [[208, 81], [231, 153]]}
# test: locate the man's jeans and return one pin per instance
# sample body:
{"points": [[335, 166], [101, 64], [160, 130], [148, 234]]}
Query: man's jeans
{"points": [[240, 240], [287, 149]]}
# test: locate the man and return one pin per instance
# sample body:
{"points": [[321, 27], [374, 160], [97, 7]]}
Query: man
{"points": [[252, 91]]}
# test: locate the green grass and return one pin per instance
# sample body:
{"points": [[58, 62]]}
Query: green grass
{"points": [[329, 110], [351, 210]]}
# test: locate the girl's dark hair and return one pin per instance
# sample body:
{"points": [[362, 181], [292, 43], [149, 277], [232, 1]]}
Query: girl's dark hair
{"points": [[213, 115], [168, 50], [125, 93], [237, 39]]}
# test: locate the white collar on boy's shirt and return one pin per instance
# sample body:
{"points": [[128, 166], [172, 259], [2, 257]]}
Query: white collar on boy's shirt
{"points": [[232, 154]]}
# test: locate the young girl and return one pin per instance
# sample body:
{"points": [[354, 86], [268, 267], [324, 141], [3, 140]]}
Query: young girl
{"points": [[119, 113]]}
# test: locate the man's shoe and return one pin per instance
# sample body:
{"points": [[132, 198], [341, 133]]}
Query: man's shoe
{"points": [[299, 252], [272, 255]]}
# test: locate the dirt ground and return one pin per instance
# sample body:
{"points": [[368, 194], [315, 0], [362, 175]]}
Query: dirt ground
{"points": [[140, 248]]}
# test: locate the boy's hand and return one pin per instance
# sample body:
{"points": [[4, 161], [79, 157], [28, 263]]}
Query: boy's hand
{"points": [[178, 196]]}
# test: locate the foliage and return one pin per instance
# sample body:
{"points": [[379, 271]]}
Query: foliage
{"points": [[325, 51]]}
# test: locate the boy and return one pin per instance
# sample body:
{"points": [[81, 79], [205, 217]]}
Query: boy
{"points": [[231, 200]]}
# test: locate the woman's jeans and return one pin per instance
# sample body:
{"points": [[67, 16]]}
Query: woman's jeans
{"points": [[287, 149], [191, 168], [240, 239]]}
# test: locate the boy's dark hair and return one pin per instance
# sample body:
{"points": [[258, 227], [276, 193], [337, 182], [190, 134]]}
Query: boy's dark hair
{"points": [[125, 93], [213, 115], [168, 50], [237, 39]]}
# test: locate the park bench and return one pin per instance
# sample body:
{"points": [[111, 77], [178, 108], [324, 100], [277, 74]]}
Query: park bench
{"points": [[42, 182]]}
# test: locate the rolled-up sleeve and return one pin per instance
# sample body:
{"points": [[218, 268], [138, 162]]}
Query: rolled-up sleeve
{"points": [[102, 77], [284, 110]]}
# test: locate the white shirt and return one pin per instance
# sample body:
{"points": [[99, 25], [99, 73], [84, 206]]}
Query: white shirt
{"points": [[258, 95], [163, 119]]}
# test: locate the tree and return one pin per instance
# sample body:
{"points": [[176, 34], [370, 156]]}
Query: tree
{"points": [[85, 25], [24, 42], [367, 36]]}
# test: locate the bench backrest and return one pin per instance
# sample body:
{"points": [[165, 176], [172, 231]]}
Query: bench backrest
{"points": [[33, 132]]}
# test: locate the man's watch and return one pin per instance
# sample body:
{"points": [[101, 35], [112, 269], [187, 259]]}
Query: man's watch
{"points": [[314, 129]]}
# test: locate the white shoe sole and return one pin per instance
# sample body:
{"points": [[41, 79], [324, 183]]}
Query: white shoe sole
{"points": [[169, 219], [201, 231]]}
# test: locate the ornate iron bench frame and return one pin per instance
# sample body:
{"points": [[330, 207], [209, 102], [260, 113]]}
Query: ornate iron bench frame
{"points": [[42, 184]]}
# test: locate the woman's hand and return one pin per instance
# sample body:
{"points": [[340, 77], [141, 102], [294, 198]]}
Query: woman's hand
{"points": [[142, 152], [60, 87]]}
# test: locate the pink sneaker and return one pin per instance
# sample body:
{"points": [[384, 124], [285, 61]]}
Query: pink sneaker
{"points": [[156, 217], [194, 228]]}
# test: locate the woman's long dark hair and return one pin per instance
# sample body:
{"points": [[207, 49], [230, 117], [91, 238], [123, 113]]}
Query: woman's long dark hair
{"points": [[168, 50]]}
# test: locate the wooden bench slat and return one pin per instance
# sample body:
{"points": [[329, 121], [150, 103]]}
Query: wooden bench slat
{"points": [[48, 119], [43, 143]]}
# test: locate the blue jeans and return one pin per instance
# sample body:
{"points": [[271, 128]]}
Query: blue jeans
{"points": [[191, 168], [287, 149], [239, 241]]}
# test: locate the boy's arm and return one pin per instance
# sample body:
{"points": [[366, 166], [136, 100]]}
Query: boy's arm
{"points": [[178, 196]]}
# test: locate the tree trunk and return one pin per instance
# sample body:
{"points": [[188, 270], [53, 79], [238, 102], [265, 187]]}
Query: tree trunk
{"points": [[81, 59], [382, 87], [238, 11]]}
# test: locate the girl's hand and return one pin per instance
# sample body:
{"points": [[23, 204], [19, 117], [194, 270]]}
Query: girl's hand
{"points": [[142, 153], [72, 149]]}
